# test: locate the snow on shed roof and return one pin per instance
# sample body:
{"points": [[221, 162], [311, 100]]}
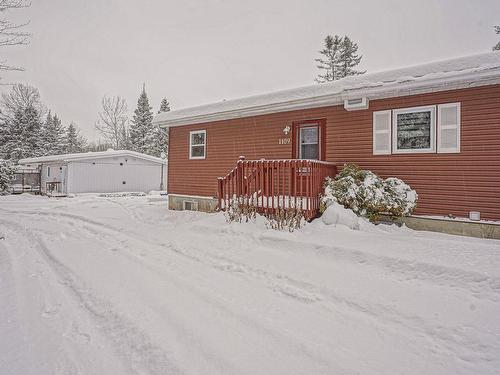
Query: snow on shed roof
{"points": [[474, 70], [90, 155]]}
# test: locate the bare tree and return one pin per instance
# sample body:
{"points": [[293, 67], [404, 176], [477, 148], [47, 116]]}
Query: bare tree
{"points": [[113, 120], [12, 34], [20, 98]]}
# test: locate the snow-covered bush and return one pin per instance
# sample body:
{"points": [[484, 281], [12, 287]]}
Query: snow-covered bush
{"points": [[369, 195], [7, 172]]}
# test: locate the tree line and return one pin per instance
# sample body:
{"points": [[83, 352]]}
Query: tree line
{"points": [[29, 129], [138, 134]]}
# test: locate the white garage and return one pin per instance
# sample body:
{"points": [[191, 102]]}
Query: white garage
{"points": [[99, 172]]}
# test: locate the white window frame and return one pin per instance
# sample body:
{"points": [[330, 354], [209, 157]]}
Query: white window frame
{"points": [[440, 127], [395, 112], [204, 132], [383, 131], [318, 142]]}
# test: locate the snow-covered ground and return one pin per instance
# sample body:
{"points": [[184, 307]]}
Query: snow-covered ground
{"points": [[120, 285]]}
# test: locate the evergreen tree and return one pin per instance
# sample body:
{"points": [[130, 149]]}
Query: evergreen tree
{"points": [[164, 106], [339, 57], [330, 60], [162, 133], [7, 171], [497, 46], [23, 135], [53, 135], [75, 142], [348, 58], [142, 131]]}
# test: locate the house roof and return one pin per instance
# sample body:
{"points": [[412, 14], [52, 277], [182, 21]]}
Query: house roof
{"points": [[475, 70], [90, 155]]}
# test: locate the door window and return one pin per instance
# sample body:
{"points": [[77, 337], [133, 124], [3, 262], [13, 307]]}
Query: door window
{"points": [[309, 142]]}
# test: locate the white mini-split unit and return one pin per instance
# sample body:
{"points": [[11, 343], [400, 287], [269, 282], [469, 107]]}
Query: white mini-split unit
{"points": [[355, 104]]}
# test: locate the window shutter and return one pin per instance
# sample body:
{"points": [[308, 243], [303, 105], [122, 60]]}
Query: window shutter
{"points": [[448, 128], [382, 133]]}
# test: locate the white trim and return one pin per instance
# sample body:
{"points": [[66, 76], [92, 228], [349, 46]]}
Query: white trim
{"points": [[204, 132], [91, 155], [444, 127], [395, 112], [384, 131]]}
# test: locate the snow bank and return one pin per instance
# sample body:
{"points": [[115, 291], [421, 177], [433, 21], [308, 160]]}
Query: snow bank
{"points": [[336, 214]]}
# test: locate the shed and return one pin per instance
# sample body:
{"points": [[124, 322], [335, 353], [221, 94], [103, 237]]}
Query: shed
{"points": [[99, 172]]}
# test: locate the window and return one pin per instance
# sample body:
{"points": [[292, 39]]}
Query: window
{"points": [[197, 144], [48, 171], [309, 142], [190, 205], [413, 130]]}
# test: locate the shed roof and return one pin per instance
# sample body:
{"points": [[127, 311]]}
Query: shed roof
{"points": [[90, 155], [474, 70]]}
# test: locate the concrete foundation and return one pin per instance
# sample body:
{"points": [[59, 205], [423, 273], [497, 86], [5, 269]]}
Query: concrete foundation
{"points": [[182, 202], [463, 228]]}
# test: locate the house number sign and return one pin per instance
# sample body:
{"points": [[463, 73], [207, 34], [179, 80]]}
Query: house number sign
{"points": [[284, 141]]}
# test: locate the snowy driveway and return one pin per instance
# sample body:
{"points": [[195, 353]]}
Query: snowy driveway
{"points": [[94, 285]]}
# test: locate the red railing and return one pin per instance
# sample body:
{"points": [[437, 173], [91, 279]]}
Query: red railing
{"points": [[271, 185]]}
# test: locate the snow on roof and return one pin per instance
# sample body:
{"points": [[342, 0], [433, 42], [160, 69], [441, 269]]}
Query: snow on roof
{"points": [[90, 155], [475, 70]]}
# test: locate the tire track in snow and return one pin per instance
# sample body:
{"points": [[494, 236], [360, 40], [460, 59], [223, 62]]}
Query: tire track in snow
{"points": [[132, 345], [309, 293], [280, 339]]}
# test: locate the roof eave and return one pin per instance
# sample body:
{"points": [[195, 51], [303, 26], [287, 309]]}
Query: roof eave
{"points": [[413, 87]]}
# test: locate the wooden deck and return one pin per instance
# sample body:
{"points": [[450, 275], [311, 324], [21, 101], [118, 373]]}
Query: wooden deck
{"points": [[272, 185]]}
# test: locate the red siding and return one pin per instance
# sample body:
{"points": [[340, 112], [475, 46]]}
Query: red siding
{"points": [[446, 183]]}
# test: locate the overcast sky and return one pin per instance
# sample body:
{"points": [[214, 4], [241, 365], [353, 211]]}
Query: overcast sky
{"points": [[197, 52]]}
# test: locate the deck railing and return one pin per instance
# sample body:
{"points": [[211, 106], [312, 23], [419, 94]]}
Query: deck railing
{"points": [[272, 185]]}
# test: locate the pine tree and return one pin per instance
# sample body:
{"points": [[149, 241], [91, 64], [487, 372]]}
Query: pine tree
{"points": [[53, 135], [339, 59], [7, 171], [164, 106], [330, 62], [75, 143], [24, 135], [348, 58], [142, 131], [162, 133], [497, 46]]}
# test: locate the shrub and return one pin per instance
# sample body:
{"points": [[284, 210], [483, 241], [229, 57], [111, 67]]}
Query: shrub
{"points": [[369, 195], [245, 209], [7, 172]]}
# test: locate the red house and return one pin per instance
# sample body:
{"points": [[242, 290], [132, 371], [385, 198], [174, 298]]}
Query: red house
{"points": [[436, 126]]}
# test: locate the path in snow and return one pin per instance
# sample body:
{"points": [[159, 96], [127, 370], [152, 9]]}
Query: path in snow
{"points": [[121, 285]]}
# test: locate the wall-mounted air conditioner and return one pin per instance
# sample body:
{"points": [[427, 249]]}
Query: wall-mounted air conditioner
{"points": [[355, 104]]}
